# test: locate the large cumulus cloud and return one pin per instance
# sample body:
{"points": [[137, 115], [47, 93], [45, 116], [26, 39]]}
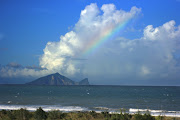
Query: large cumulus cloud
{"points": [[91, 25]]}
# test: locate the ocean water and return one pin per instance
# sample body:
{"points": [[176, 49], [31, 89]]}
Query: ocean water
{"points": [[157, 100]]}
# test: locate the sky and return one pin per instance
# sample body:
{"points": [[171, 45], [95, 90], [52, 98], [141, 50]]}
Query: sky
{"points": [[112, 42]]}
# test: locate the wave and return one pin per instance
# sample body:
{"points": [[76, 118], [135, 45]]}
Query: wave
{"points": [[44, 107], [142, 111], [156, 112], [101, 108]]}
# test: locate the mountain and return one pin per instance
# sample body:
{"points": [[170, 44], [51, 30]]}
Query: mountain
{"points": [[57, 79]]}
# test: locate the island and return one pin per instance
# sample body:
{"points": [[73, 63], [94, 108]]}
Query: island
{"points": [[57, 79]]}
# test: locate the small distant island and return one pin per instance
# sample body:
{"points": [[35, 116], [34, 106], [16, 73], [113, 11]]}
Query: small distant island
{"points": [[57, 79]]}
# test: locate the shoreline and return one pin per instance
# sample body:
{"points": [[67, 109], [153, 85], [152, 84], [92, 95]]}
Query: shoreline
{"points": [[68, 109], [40, 114]]}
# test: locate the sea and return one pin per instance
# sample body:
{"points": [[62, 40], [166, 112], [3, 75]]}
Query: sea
{"points": [[156, 100]]}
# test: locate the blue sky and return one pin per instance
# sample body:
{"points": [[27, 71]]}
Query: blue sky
{"points": [[27, 26]]}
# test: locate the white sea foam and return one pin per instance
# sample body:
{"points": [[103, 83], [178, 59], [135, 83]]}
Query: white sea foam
{"points": [[152, 112], [44, 107], [101, 108], [156, 112], [144, 110]]}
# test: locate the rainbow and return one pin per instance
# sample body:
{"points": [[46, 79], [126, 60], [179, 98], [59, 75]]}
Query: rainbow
{"points": [[106, 35]]}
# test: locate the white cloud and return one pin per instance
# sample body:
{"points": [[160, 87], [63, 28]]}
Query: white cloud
{"points": [[13, 72], [91, 25], [57, 54], [166, 31]]}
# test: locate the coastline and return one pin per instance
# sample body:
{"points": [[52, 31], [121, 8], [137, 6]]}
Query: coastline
{"points": [[40, 114], [68, 109]]}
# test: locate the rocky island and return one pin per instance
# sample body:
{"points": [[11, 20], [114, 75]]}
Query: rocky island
{"points": [[57, 79]]}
